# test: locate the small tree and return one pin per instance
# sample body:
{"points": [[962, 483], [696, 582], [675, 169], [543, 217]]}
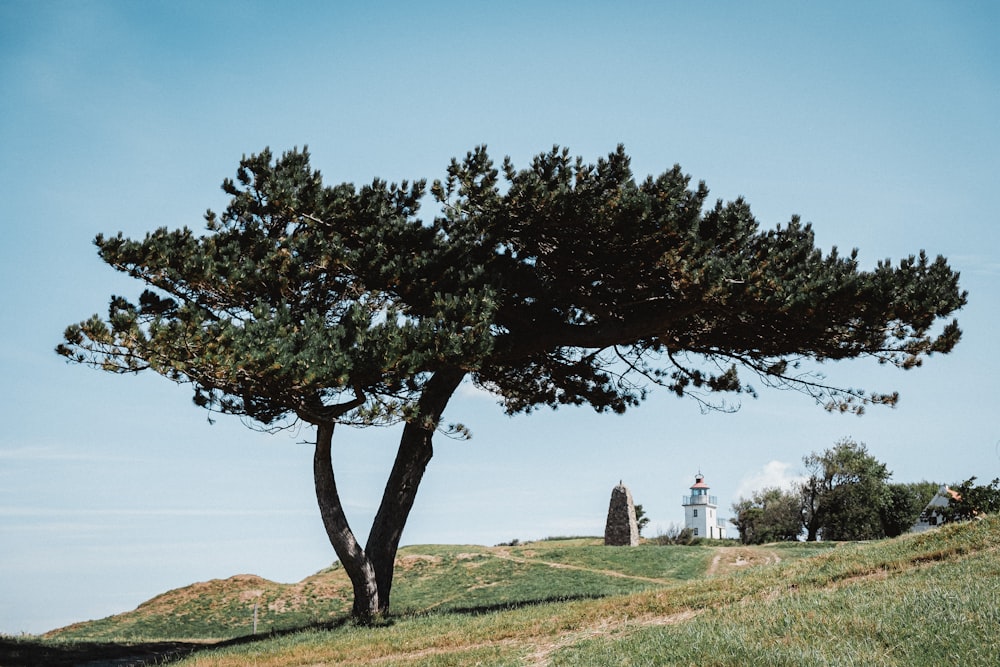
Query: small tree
{"points": [[904, 502], [846, 493], [641, 520], [565, 284], [675, 534], [769, 515]]}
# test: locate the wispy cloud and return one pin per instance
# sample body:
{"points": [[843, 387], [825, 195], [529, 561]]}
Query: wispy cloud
{"points": [[468, 390], [978, 264], [772, 474], [53, 453], [50, 512]]}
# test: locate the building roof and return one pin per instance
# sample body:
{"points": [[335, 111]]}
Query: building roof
{"points": [[699, 483], [943, 498]]}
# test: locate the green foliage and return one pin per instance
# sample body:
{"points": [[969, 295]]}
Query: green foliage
{"points": [[289, 304], [846, 493], [769, 515], [847, 497], [641, 519], [590, 259], [974, 500], [903, 506], [676, 534], [311, 300]]}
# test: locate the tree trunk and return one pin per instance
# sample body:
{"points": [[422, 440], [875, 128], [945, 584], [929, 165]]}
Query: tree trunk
{"points": [[354, 560], [415, 451], [810, 508], [371, 569]]}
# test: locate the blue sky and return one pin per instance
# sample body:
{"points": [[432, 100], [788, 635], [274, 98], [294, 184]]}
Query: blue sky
{"points": [[877, 122]]}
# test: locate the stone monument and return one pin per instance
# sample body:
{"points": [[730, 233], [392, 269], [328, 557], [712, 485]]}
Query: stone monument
{"points": [[621, 529]]}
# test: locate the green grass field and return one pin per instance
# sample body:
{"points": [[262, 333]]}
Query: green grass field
{"points": [[917, 600]]}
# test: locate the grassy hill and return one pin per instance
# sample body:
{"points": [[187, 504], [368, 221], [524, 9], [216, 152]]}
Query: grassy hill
{"points": [[920, 599], [438, 578]]}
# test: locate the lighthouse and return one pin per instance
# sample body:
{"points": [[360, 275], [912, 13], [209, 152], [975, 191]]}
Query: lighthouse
{"points": [[701, 511]]}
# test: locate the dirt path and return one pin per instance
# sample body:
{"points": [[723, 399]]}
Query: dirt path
{"points": [[541, 648], [506, 555], [544, 650], [728, 559], [714, 567]]}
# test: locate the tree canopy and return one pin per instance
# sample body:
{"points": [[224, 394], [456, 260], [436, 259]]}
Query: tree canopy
{"points": [[847, 496], [846, 493], [904, 504], [769, 515], [572, 283], [561, 283]]}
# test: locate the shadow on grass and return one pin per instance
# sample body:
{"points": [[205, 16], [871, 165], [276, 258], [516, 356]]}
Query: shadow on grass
{"points": [[32, 652], [515, 604], [35, 652]]}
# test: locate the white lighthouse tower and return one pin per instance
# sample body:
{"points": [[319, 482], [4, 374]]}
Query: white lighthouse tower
{"points": [[701, 513]]}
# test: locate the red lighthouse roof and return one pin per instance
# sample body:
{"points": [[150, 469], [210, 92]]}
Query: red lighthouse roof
{"points": [[699, 482]]}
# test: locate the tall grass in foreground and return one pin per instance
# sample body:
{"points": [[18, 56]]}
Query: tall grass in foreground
{"points": [[946, 614], [918, 600]]}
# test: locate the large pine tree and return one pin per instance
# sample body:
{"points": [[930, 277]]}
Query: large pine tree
{"points": [[562, 283]]}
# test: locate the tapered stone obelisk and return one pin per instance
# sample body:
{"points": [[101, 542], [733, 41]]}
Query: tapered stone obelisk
{"points": [[621, 529]]}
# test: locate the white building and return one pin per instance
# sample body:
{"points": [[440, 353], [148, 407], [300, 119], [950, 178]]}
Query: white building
{"points": [[701, 511], [931, 516]]}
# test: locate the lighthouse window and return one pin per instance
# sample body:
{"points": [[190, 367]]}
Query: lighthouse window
{"points": [[696, 512]]}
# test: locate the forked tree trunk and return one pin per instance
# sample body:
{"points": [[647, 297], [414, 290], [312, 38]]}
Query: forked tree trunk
{"points": [[371, 569], [352, 557]]}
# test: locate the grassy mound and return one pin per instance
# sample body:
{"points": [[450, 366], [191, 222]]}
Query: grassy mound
{"points": [[429, 577], [916, 600]]}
